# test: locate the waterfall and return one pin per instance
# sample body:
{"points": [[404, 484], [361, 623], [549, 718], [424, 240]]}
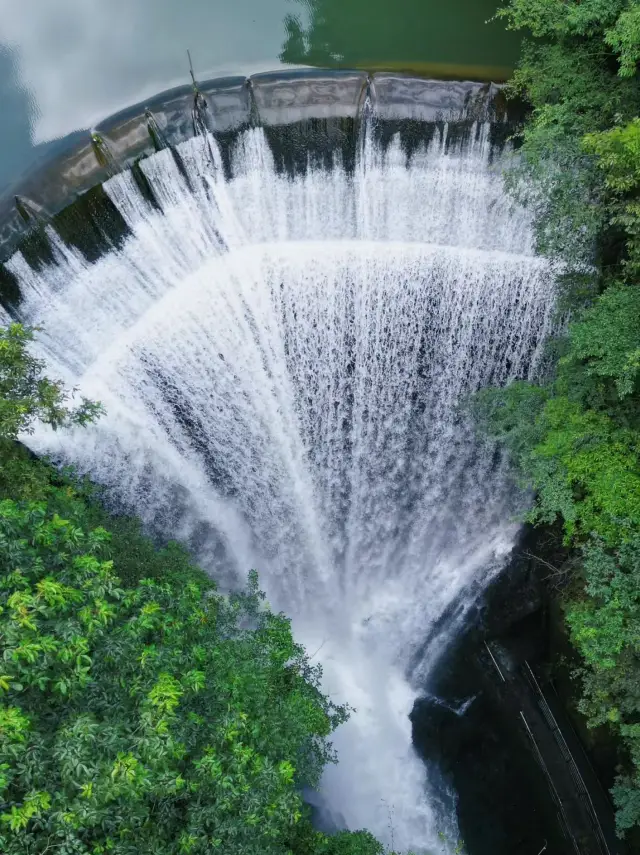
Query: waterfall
{"points": [[282, 362]]}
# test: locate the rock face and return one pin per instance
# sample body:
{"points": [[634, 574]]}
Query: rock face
{"points": [[503, 800], [470, 723]]}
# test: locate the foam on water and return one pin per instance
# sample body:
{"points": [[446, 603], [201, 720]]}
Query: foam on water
{"points": [[282, 361]]}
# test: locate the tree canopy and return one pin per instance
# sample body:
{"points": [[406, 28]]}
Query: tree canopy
{"points": [[574, 437], [146, 715]]}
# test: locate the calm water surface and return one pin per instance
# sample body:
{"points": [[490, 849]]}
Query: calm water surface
{"points": [[66, 64]]}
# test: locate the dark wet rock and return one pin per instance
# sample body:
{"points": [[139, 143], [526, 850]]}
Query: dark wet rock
{"points": [[469, 724]]}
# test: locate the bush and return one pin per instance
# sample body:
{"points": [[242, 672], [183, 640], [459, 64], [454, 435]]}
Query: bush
{"points": [[152, 719]]}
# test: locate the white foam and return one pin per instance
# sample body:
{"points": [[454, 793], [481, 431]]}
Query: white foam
{"points": [[282, 362]]}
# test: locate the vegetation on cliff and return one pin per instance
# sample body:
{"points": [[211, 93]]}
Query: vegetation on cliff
{"points": [[142, 714], [575, 438]]}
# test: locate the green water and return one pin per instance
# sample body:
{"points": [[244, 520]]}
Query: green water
{"points": [[67, 64], [428, 37]]}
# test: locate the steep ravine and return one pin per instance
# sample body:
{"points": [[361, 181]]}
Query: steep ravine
{"points": [[470, 723]]}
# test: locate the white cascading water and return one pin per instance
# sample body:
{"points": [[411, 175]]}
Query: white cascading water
{"points": [[281, 362]]}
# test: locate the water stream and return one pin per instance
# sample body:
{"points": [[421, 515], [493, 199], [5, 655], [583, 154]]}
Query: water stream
{"points": [[281, 361]]}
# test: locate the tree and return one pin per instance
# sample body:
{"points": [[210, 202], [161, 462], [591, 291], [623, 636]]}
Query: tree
{"points": [[617, 153], [605, 628], [159, 718], [156, 716], [574, 438], [576, 85], [27, 397]]}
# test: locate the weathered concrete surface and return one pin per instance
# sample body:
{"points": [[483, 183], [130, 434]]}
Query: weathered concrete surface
{"points": [[399, 97], [293, 97], [272, 99]]}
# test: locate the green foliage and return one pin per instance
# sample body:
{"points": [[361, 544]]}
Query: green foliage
{"points": [[574, 89], [575, 439], [160, 718], [614, 23], [348, 843], [602, 366], [624, 38], [26, 396], [605, 628], [557, 21], [141, 711], [584, 469], [512, 416], [608, 622], [617, 153]]}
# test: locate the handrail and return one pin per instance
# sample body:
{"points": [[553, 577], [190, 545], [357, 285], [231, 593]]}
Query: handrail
{"points": [[568, 756]]}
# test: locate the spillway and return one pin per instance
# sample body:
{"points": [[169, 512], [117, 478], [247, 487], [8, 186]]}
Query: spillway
{"points": [[283, 360]]}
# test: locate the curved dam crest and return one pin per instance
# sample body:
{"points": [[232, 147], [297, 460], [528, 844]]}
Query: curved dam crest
{"points": [[232, 105]]}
